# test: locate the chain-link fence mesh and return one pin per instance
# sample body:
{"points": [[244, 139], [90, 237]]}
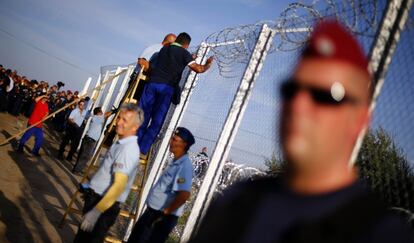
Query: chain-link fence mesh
{"points": [[386, 159]]}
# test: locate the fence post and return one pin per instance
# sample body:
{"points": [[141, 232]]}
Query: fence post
{"points": [[392, 24]]}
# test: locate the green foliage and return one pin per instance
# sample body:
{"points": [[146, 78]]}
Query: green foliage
{"points": [[386, 169], [382, 164], [275, 165]]}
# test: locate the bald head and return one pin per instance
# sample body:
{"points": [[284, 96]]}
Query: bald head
{"points": [[168, 39]]}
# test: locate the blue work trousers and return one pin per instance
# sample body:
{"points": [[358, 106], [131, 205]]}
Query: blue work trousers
{"points": [[155, 102], [37, 132]]}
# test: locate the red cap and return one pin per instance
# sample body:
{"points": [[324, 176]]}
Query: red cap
{"points": [[69, 92], [331, 40]]}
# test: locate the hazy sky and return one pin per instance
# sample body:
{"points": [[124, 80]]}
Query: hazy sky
{"points": [[70, 40]]}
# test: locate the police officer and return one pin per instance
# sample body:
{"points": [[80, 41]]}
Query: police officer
{"points": [[89, 141], [165, 202], [112, 182], [73, 131]]}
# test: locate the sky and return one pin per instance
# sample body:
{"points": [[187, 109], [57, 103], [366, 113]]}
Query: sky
{"points": [[70, 40]]}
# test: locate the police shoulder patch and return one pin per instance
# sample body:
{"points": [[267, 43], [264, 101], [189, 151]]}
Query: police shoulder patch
{"points": [[118, 165]]}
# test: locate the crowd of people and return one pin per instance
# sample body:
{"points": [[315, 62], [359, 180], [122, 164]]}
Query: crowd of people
{"points": [[18, 96]]}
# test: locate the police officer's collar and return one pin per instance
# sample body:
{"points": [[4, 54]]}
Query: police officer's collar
{"points": [[178, 161], [127, 139]]}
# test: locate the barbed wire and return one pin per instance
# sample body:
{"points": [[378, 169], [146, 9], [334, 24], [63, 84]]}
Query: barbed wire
{"points": [[233, 46]]}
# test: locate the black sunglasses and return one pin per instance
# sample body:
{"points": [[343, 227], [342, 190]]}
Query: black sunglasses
{"points": [[290, 88]]}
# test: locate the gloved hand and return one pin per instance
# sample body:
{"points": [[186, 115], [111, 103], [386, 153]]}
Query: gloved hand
{"points": [[89, 220]]}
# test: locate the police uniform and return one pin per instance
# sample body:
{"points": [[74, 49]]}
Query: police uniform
{"points": [[176, 177], [89, 142], [154, 226], [73, 133], [122, 157]]}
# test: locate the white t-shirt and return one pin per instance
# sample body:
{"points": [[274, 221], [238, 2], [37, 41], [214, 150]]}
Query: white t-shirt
{"points": [[77, 116]]}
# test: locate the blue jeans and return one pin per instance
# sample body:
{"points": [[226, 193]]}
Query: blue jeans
{"points": [[37, 132], [155, 102]]}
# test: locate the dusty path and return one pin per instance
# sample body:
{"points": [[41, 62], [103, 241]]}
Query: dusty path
{"points": [[34, 191]]}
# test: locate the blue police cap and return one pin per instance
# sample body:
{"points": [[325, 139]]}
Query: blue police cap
{"points": [[185, 135]]}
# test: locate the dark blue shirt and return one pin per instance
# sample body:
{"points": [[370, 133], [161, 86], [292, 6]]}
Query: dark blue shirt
{"points": [[170, 63], [266, 211]]}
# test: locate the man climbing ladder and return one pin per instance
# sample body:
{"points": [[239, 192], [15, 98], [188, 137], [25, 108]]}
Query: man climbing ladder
{"points": [[162, 84]]}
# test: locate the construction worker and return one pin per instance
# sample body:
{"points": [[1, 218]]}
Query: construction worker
{"points": [[159, 90]]}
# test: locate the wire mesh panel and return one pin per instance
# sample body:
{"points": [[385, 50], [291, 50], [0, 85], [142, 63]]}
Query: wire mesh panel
{"points": [[394, 111], [208, 110], [257, 141], [386, 158]]}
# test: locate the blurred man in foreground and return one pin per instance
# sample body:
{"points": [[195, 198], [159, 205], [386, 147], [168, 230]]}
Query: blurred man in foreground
{"points": [[319, 199]]}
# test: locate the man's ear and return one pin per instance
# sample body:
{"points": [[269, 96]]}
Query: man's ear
{"points": [[363, 120], [137, 126]]}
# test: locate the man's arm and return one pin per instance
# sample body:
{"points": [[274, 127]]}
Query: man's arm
{"points": [[116, 189], [143, 63], [198, 68], [108, 114], [39, 98], [178, 201]]}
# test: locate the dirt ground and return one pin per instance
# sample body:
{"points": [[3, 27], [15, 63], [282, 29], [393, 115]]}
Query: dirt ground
{"points": [[34, 191]]}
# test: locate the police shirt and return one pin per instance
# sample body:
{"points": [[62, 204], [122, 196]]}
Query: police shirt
{"points": [[266, 210], [77, 116], [95, 128], [176, 177], [122, 157]]}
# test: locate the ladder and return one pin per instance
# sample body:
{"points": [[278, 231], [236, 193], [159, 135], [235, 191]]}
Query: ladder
{"points": [[93, 165]]}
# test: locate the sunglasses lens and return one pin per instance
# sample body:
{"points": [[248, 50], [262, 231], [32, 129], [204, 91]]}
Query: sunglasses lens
{"points": [[288, 90], [323, 97]]}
